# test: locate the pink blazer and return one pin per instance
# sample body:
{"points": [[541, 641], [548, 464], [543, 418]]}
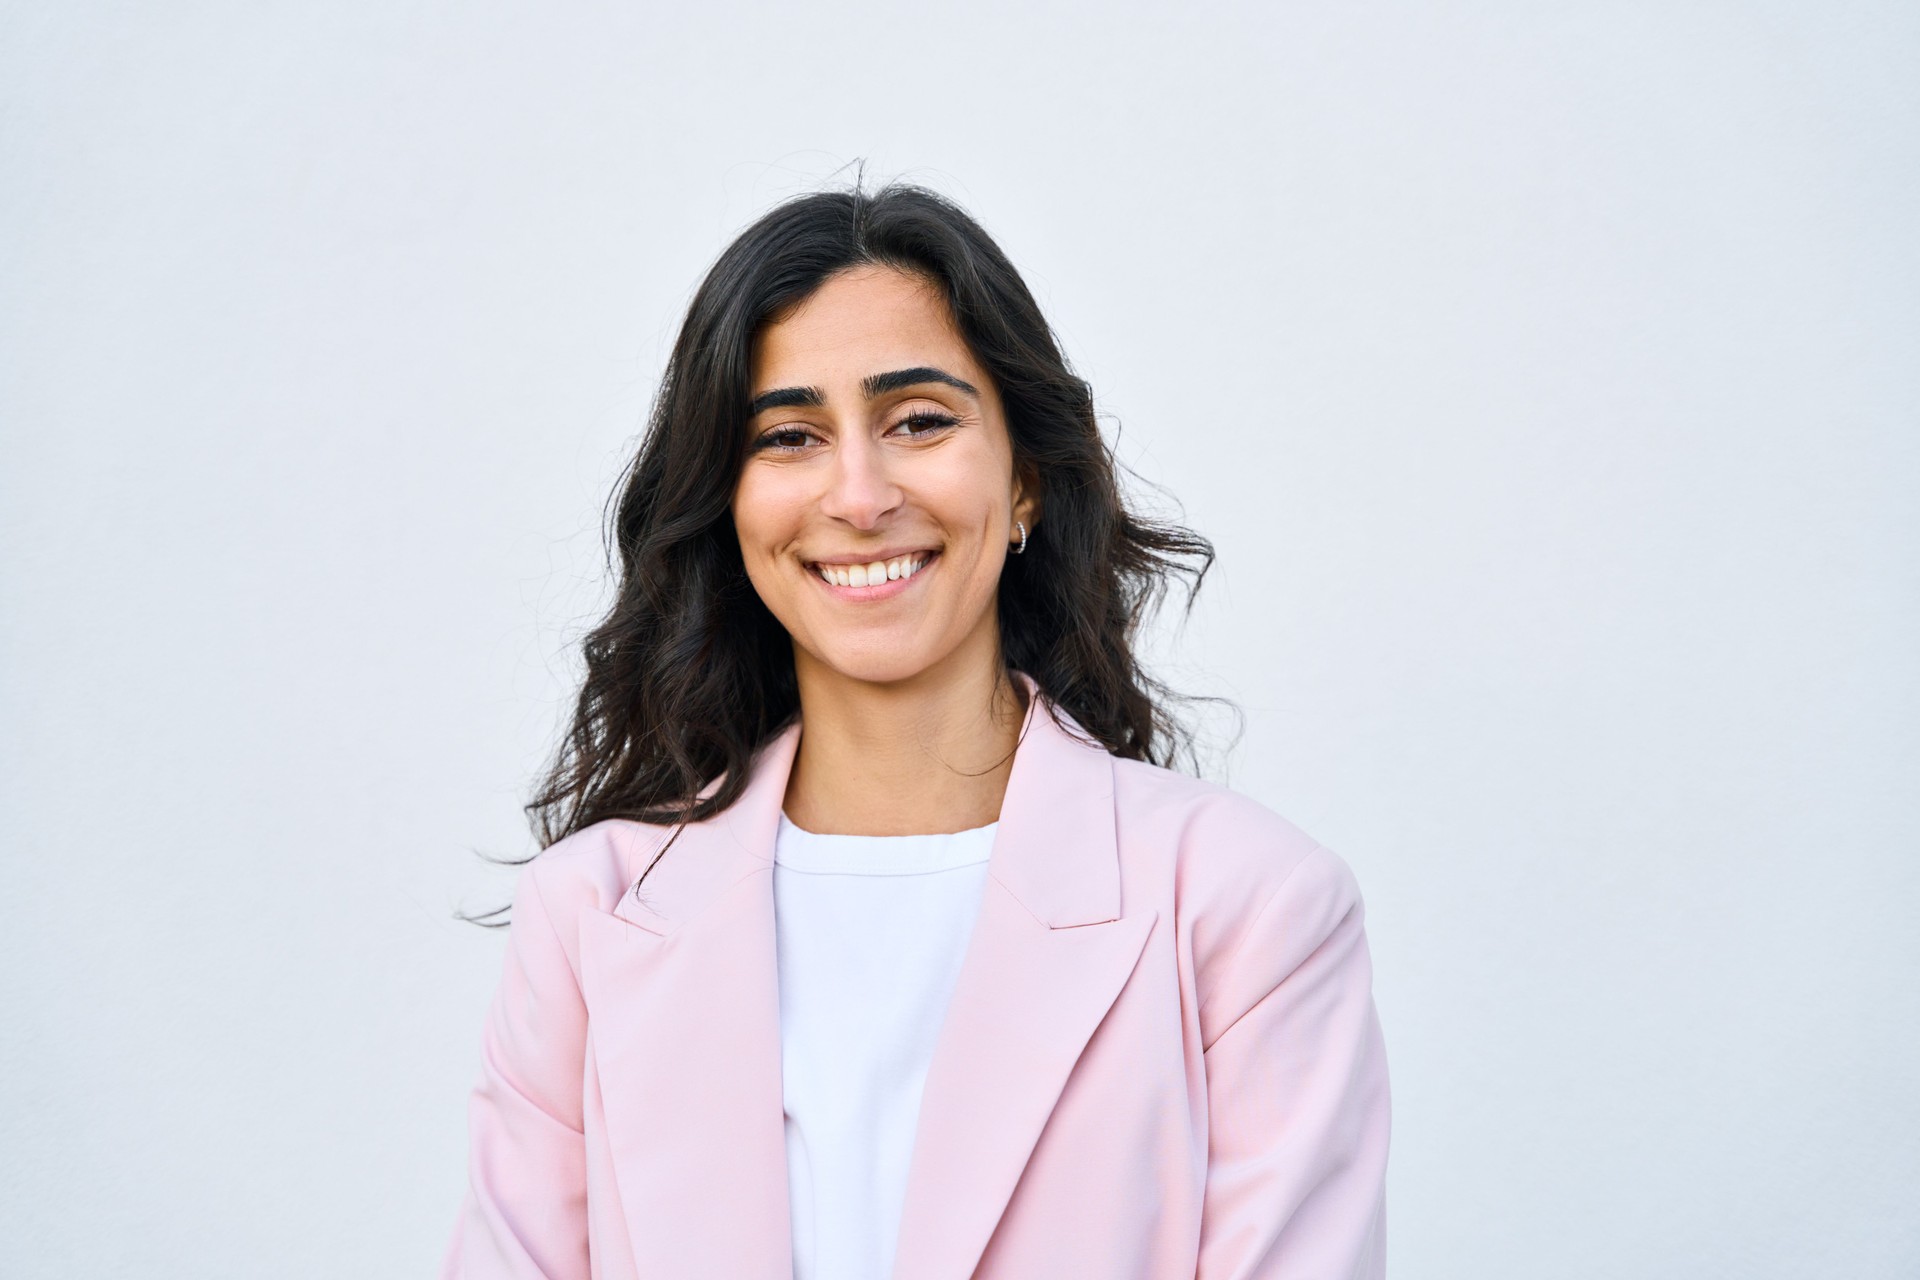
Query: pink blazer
{"points": [[1162, 1059]]}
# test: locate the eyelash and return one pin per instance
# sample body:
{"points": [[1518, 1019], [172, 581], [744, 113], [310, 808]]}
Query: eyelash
{"points": [[923, 418]]}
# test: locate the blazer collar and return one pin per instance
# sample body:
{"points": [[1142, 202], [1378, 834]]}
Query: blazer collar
{"points": [[682, 989], [1054, 849]]}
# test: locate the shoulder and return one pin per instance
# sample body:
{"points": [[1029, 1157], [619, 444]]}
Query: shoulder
{"points": [[590, 868], [1235, 875], [1217, 840]]}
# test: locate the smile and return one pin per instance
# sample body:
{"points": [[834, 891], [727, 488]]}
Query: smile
{"points": [[874, 573]]}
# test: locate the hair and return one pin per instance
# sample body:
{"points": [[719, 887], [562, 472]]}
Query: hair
{"points": [[689, 673]]}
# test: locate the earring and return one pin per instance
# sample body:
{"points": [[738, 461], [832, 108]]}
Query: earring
{"points": [[1022, 548]]}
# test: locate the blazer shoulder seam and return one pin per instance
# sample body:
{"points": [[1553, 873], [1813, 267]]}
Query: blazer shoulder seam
{"points": [[546, 913], [1240, 949]]}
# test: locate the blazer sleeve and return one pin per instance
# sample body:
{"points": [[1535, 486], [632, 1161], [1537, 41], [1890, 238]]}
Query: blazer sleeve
{"points": [[1298, 1110], [525, 1210]]}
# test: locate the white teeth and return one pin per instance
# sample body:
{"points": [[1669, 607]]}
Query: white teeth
{"points": [[874, 572]]}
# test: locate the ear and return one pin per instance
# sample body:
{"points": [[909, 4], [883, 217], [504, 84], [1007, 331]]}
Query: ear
{"points": [[1026, 495]]}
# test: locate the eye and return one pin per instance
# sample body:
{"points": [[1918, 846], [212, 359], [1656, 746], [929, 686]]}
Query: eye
{"points": [[924, 422], [784, 439]]}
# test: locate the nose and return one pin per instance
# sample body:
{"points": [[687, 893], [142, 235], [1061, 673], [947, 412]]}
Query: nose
{"points": [[860, 490]]}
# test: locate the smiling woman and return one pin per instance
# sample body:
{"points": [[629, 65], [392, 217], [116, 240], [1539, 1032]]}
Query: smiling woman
{"points": [[875, 934], [874, 507]]}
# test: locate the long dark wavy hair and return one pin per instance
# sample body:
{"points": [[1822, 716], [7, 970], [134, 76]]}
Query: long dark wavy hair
{"points": [[689, 673]]}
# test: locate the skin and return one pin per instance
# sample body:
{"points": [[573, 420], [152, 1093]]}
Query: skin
{"points": [[908, 722]]}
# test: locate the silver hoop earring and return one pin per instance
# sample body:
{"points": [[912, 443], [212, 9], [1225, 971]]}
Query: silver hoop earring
{"points": [[1022, 548]]}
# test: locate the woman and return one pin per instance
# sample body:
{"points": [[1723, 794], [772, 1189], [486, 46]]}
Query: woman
{"points": [[873, 938]]}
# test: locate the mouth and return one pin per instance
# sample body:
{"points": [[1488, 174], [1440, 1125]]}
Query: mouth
{"points": [[866, 580]]}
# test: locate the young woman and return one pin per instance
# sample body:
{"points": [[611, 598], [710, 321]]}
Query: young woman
{"points": [[873, 937]]}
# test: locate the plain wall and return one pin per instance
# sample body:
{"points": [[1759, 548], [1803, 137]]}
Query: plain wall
{"points": [[1546, 376]]}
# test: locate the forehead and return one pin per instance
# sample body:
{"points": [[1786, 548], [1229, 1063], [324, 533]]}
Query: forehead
{"points": [[860, 321]]}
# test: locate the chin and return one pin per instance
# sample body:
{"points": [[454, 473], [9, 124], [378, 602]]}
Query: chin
{"points": [[875, 665]]}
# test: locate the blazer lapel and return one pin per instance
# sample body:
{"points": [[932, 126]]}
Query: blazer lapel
{"points": [[682, 985], [682, 989], [1049, 953]]}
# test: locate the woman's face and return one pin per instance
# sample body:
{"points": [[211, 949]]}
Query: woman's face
{"points": [[878, 457]]}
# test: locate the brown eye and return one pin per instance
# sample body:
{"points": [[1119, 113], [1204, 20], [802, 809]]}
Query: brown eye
{"points": [[787, 438], [925, 424]]}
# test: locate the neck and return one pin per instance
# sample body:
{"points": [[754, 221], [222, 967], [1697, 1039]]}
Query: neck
{"points": [[925, 755]]}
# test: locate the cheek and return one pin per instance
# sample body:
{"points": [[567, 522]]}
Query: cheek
{"points": [[972, 490], [763, 517]]}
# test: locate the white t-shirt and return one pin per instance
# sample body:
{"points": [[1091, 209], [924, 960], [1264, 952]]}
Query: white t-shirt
{"points": [[870, 932]]}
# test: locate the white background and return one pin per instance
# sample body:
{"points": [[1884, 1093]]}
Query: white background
{"points": [[1547, 375]]}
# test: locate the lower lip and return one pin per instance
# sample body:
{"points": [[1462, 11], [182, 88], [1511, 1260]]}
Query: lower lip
{"points": [[878, 591]]}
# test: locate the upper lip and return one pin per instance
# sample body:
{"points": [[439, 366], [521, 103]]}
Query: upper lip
{"points": [[881, 556]]}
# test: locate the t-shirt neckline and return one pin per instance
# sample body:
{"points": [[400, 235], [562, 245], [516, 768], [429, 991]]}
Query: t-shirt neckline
{"points": [[797, 849]]}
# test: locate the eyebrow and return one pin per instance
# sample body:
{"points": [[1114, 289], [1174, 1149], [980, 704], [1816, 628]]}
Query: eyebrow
{"points": [[878, 384]]}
